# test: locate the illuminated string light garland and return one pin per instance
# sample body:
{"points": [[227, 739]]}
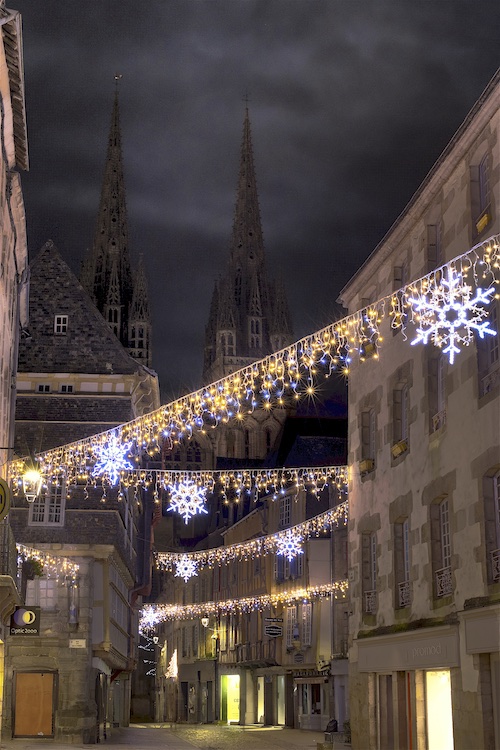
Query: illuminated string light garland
{"points": [[259, 546], [53, 565], [151, 615], [286, 375], [235, 482]]}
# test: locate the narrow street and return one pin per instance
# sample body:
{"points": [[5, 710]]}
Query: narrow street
{"points": [[187, 737]]}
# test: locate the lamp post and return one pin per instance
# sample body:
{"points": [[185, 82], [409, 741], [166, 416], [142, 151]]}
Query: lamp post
{"points": [[215, 637], [32, 484]]}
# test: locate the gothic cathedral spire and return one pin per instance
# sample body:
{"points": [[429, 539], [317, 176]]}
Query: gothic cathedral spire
{"points": [[106, 273], [248, 318]]}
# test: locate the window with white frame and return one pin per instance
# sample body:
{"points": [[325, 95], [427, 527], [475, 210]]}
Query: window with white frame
{"points": [[368, 429], [491, 498], [441, 547], [369, 571], [402, 562], [41, 592], [306, 623], [284, 511], [488, 354], [291, 625], [48, 508], [61, 325], [400, 413], [436, 390]]}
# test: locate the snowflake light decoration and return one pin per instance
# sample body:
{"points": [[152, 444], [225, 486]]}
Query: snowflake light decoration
{"points": [[449, 315], [111, 459], [186, 567], [289, 545], [187, 499]]}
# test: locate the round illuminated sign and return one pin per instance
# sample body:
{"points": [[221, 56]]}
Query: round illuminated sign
{"points": [[4, 498]]}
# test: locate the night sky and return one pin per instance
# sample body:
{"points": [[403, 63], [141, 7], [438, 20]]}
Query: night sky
{"points": [[350, 102]]}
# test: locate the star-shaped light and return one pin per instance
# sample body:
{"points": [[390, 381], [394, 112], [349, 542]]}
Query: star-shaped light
{"points": [[289, 544], [112, 458], [187, 499], [449, 314], [186, 567]]}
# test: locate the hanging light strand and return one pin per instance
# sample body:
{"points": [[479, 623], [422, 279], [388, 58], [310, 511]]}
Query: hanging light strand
{"points": [[54, 566], [421, 307], [257, 547], [153, 614]]}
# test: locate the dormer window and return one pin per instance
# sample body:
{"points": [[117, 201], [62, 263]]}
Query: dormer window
{"points": [[61, 325]]}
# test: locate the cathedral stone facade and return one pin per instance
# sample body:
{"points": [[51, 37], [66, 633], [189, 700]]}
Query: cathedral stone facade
{"points": [[120, 295], [249, 315]]}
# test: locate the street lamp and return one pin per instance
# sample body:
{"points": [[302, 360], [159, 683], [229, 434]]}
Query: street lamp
{"points": [[32, 484], [215, 637]]}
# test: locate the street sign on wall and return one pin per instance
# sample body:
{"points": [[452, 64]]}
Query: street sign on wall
{"points": [[273, 631]]}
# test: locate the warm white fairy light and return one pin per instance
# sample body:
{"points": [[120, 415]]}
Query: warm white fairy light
{"points": [[54, 566], [283, 376], [258, 546], [154, 614], [187, 499]]}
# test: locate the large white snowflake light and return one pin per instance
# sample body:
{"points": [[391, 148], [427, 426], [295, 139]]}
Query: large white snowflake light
{"points": [[448, 314], [186, 567], [112, 458], [187, 499], [289, 544]]}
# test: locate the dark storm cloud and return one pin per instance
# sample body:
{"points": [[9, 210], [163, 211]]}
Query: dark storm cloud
{"points": [[350, 102]]}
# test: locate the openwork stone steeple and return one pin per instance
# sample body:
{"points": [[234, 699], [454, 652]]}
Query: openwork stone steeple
{"points": [[249, 314], [106, 273]]}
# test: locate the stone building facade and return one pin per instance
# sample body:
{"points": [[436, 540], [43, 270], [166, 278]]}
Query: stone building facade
{"points": [[76, 379], [424, 447], [13, 283]]}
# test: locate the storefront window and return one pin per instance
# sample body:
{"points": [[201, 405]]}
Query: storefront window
{"points": [[439, 713]]}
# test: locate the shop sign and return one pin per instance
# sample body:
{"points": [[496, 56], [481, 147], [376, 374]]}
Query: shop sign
{"points": [[25, 621], [4, 498], [273, 631], [273, 619]]}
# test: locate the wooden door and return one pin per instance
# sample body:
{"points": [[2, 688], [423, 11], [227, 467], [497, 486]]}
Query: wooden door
{"points": [[34, 704]]}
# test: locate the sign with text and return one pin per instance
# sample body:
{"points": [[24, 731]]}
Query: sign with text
{"points": [[25, 621], [273, 631]]}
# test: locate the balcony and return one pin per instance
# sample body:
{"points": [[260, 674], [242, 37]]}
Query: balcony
{"points": [[495, 564], [439, 420], [444, 586], [370, 602], [404, 594], [490, 381], [258, 654]]}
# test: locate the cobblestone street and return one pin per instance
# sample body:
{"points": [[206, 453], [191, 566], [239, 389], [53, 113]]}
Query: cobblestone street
{"points": [[187, 737]]}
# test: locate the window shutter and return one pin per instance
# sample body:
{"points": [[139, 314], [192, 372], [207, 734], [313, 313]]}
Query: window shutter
{"points": [[475, 207], [432, 249]]}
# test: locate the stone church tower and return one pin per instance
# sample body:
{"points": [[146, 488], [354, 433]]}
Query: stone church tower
{"points": [[249, 316], [120, 296]]}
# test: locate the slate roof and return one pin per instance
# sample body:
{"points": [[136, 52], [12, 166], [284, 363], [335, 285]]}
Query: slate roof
{"points": [[89, 345]]}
